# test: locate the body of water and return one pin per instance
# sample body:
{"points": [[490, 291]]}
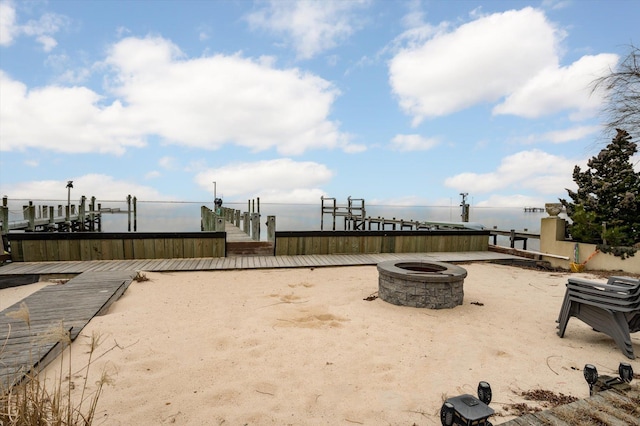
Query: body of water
{"points": [[159, 216]]}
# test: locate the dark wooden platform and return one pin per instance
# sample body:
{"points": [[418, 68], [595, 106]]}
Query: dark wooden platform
{"points": [[70, 305]]}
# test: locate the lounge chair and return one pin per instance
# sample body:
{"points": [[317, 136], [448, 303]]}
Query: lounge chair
{"points": [[612, 308]]}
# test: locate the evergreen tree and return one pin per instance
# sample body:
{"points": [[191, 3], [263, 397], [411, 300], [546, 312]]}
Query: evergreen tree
{"points": [[605, 210]]}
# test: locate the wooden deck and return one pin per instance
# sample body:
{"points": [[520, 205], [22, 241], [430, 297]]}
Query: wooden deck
{"points": [[71, 306], [611, 407], [248, 262]]}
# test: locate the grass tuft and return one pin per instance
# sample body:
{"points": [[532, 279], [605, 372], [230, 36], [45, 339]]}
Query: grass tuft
{"points": [[28, 401], [140, 276]]}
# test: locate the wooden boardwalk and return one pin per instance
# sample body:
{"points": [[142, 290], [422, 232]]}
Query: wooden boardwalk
{"points": [[70, 306], [611, 407], [245, 262]]}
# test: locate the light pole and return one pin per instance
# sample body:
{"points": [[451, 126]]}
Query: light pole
{"points": [[214, 191]]}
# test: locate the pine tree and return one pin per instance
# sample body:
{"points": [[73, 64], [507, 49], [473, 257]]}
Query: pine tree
{"points": [[605, 210]]}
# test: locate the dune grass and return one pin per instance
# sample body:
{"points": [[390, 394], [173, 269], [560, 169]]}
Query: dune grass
{"points": [[33, 400]]}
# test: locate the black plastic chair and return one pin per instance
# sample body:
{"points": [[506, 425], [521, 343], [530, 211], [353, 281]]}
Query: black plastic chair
{"points": [[612, 308]]}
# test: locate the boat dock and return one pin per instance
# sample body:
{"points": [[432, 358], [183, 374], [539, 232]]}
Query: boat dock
{"points": [[63, 218]]}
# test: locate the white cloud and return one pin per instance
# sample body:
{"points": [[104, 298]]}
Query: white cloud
{"points": [[203, 103], [512, 58], [280, 180], [103, 187], [535, 170], [8, 28], [310, 26], [41, 29], [63, 119], [152, 175], [571, 134], [555, 89], [167, 162], [209, 101], [556, 4], [480, 61], [413, 143], [47, 42]]}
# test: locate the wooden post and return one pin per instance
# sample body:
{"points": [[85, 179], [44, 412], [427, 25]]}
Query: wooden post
{"points": [[512, 238], [334, 214], [31, 213], [4, 216], [92, 215], [52, 221], [255, 226], [219, 223], [203, 213], [67, 220], [135, 214], [237, 215], [258, 202], [81, 213], [245, 223], [99, 218], [129, 213], [271, 228]]}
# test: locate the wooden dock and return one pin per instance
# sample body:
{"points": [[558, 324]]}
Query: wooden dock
{"points": [[70, 306]]}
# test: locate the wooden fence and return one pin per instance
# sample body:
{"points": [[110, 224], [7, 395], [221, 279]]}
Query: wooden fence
{"points": [[359, 242], [41, 247]]}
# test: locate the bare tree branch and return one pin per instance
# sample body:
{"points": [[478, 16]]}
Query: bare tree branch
{"points": [[622, 93]]}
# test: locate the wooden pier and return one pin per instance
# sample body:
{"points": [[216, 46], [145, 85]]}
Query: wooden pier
{"points": [[70, 306], [534, 210], [69, 218]]}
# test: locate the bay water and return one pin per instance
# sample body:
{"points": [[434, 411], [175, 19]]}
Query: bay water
{"points": [[184, 216]]}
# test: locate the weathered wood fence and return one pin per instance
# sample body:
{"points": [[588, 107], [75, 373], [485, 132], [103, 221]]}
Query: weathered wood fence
{"points": [[357, 242], [39, 247]]}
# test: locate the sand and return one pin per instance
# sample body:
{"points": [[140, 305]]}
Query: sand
{"points": [[302, 347]]}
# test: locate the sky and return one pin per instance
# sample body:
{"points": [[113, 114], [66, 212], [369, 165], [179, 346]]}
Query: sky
{"points": [[396, 102]]}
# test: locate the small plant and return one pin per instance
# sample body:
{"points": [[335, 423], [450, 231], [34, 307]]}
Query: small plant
{"points": [[140, 276], [29, 401]]}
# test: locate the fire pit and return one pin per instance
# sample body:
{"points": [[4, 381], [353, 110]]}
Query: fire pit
{"points": [[421, 284]]}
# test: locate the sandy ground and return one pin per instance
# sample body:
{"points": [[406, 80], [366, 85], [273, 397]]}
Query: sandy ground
{"points": [[302, 347]]}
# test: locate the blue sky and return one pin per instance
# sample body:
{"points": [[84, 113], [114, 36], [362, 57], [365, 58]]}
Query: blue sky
{"points": [[396, 102]]}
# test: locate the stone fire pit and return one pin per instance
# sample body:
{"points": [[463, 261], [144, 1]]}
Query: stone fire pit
{"points": [[421, 284]]}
